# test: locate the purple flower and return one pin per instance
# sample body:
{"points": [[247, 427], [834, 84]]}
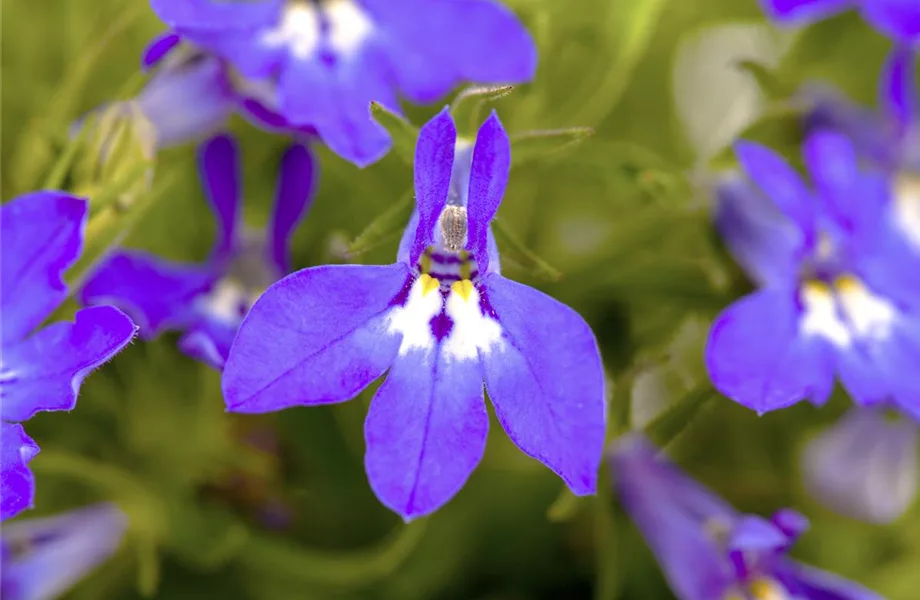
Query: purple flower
{"points": [[705, 547], [899, 19], [208, 301], [838, 296], [41, 236], [865, 466], [43, 558], [320, 63], [442, 320]]}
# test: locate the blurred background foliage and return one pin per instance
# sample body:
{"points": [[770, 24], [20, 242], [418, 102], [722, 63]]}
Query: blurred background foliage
{"points": [[278, 506]]}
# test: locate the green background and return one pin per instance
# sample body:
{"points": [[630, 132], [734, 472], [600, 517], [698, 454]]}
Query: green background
{"points": [[622, 217]]}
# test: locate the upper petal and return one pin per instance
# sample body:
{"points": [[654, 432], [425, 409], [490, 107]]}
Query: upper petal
{"points": [[488, 179], [156, 293], [762, 241], [45, 371], [864, 466], [158, 48], [317, 336], [804, 11], [546, 381], [433, 46], [757, 355], [897, 18], [219, 169], [61, 550], [779, 181], [17, 484], [434, 162], [297, 183], [426, 431], [898, 88], [41, 236]]}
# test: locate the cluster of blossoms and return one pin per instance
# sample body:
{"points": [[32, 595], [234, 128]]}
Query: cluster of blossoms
{"points": [[835, 261]]}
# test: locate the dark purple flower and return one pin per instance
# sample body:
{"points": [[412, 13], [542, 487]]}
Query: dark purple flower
{"points": [[208, 301], [42, 368], [321, 63], [838, 296], [865, 466], [43, 558], [899, 19], [442, 320], [706, 548]]}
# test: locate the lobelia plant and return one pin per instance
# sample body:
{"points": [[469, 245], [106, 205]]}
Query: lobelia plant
{"points": [[441, 320]]}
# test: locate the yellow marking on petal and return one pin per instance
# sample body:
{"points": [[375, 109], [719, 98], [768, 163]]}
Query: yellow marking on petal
{"points": [[463, 288], [424, 263], [429, 284], [848, 283], [816, 288], [767, 589]]}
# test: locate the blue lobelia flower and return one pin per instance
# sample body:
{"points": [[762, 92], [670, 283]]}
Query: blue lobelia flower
{"points": [[43, 558], [320, 63], [41, 368], [706, 548], [865, 466], [208, 301], [442, 320], [899, 19], [837, 295]]}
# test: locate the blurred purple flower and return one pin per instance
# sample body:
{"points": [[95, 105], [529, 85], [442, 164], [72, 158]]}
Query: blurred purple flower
{"points": [[208, 301], [320, 64], [899, 19], [865, 466], [442, 320], [43, 558], [838, 296], [705, 547], [41, 236]]}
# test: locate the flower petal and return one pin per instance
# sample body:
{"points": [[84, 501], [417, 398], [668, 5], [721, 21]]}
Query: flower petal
{"points": [[213, 14], [426, 431], [433, 46], [62, 549], [209, 340], [45, 371], [546, 381], [315, 337], [803, 11], [156, 293], [297, 182], [187, 99], [898, 88], [219, 169], [158, 48], [897, 18], [807, 582], [757, 356], [779, 181], [676, 516], [762, 240], [434, 163], [17, 484], [41, 235], [864, 466], [336, 98], [488, 179]]}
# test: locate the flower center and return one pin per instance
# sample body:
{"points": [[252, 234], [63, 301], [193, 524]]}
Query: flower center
{"points": [[763, 588], [844, 310], [339, 26]]}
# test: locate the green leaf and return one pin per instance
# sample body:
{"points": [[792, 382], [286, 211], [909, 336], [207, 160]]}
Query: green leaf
{"points": [[665, 428], [404, 134], [533, 146], [466, 108], [515, 250], [384, 228]]}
